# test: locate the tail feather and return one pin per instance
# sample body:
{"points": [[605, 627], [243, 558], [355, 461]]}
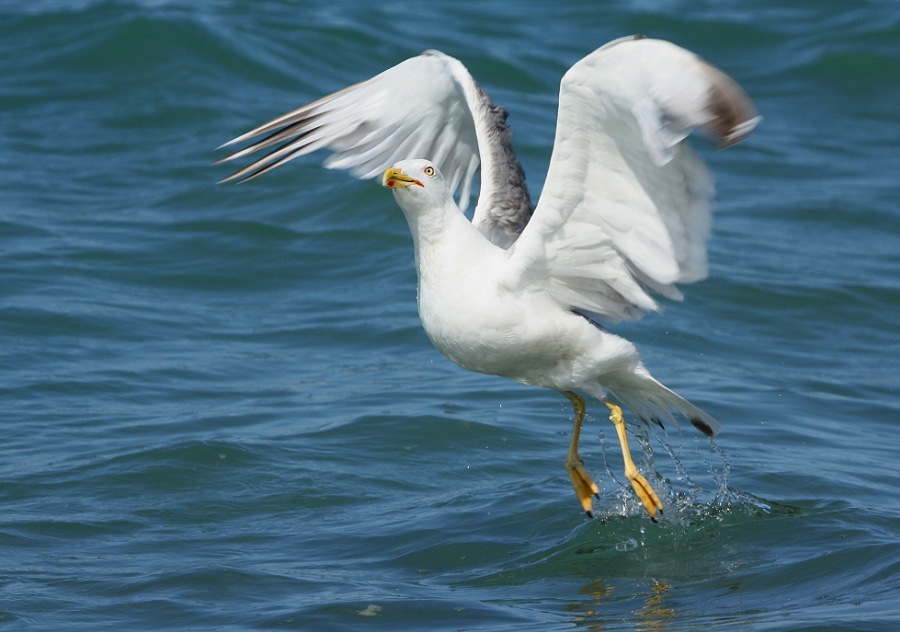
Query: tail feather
{"points": [[651, 401]]}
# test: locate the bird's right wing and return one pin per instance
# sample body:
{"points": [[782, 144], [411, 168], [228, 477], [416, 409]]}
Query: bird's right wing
{"points": [[625, 209]]}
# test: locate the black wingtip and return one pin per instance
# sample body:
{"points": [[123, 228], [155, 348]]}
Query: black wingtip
{"points": [[702, 426]]}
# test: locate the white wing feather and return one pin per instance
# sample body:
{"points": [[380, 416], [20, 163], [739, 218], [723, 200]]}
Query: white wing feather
{"points": [[416, 108], [625, 209], [425, 107]]}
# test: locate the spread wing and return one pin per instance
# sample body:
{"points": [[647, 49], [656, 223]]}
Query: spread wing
{"points": [[625, 210], [428, 107]]}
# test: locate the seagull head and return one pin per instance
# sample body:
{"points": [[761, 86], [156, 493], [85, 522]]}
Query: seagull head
{"points": [[416, 184]]}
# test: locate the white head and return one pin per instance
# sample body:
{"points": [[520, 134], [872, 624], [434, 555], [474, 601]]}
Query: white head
{"points": [[417, 186]]}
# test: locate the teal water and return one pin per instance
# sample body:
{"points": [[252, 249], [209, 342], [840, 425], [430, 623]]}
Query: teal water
{"points": [[218, 410]]}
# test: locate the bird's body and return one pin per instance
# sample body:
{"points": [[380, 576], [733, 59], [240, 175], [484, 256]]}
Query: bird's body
{"points": [[473, 314], [518, 291], [477, 311]]}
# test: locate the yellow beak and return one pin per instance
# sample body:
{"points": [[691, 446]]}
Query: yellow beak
{"points": [[396, 179]]}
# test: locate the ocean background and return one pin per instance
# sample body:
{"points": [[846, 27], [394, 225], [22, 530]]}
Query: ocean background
{"points": [[218, 410]]}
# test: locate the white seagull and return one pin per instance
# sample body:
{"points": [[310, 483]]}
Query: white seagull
{"points": [[519, 291]]}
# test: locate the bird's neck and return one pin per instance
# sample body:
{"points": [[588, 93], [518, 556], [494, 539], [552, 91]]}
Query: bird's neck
{"points": [[428, 227], [444, 235]]}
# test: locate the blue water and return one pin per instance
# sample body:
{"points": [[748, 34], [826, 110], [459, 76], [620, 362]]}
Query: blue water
{"points": [[219, 411]]}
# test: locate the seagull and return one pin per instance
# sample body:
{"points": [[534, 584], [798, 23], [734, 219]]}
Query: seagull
{"points": [[523, 291]]}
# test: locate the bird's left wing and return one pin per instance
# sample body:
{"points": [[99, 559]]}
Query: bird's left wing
{"points": [[415, 109], [429, 107], [625, 210]]}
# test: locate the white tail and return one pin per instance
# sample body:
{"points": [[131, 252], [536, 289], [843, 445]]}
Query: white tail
{"points": [[653, 402]]}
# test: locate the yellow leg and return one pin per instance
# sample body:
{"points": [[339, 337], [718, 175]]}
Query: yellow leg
{"points": [[582, 482], [641, 487]]}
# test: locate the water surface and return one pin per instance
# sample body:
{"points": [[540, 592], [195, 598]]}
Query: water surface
{"points": [[218, 408]]}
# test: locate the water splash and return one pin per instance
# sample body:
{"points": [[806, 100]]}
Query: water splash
{"points": [[691, 495]]}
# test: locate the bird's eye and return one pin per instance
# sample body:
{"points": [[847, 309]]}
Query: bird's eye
{"points": [[428, 171]]}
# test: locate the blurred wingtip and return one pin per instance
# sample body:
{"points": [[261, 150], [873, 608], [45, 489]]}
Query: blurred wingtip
{"points": [[739, 132], [734, 117]]}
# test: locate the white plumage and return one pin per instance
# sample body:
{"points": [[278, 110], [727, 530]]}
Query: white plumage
{"points": [[624, 214]]}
